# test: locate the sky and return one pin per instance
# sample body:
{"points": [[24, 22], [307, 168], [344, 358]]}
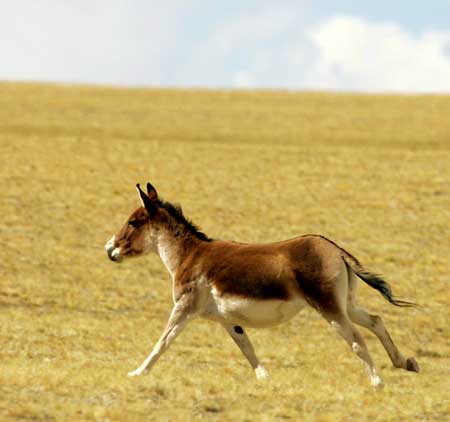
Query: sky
{"points": [[358, 46]]}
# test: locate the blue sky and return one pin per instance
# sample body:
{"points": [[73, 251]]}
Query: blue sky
{"points": [[374, 46], [414, 15]]}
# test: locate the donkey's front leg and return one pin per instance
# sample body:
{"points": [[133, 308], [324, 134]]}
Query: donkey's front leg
{"points": [[239, 336], [177, 321]]}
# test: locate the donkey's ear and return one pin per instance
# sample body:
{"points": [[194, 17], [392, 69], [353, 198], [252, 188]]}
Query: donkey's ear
{"points": [[151, 192], [147, 202]]}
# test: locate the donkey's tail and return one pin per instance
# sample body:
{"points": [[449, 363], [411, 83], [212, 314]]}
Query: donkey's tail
{"points": [[375, 281]]}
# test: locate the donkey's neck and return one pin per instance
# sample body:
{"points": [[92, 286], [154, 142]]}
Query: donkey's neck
{"points": [[173, 249]]}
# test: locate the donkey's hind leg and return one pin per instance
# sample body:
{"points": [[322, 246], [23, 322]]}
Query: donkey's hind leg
{"points": [[336, 314], [375, 324], [329, 297], [351, 335]]}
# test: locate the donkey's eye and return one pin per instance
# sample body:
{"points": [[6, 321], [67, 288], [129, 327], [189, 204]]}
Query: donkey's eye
{"points": [[134, 223]]}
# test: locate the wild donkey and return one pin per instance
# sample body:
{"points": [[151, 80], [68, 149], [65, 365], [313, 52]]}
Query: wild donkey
{"points": [[257, 285]]}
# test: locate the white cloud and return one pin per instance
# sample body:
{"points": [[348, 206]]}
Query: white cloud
{"points": [[247, 50], [281, 49], [252, 44], [358, 55], [89, 41], [242, 80]]}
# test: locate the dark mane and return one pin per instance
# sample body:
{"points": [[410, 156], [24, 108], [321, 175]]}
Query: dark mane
{"points": [[174, 210]]}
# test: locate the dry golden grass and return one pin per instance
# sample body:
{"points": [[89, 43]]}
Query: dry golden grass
{"points": [[370, 172]]}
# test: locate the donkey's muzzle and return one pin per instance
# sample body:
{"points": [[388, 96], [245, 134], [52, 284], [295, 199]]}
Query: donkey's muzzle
{"points": [[114, 255], [112, 251]]}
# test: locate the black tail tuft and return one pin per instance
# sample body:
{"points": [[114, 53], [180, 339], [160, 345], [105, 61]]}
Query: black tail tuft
{"points": [[376, 282]]}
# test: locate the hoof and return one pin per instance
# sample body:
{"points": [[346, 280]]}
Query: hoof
{"points": [[412, 365], [261, 373], [377, 382], [134, 373]]}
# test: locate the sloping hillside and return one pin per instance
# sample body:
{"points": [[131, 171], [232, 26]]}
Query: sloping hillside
{"points": [[370, 172]]}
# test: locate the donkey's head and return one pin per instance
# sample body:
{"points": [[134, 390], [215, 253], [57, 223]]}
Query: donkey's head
{"points": [[138, 235]]}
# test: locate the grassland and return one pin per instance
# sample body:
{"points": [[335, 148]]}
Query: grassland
{"points": [[371, 172]]}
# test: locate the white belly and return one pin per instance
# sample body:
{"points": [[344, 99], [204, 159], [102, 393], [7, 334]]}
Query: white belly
{"points": [[251, 312]]}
